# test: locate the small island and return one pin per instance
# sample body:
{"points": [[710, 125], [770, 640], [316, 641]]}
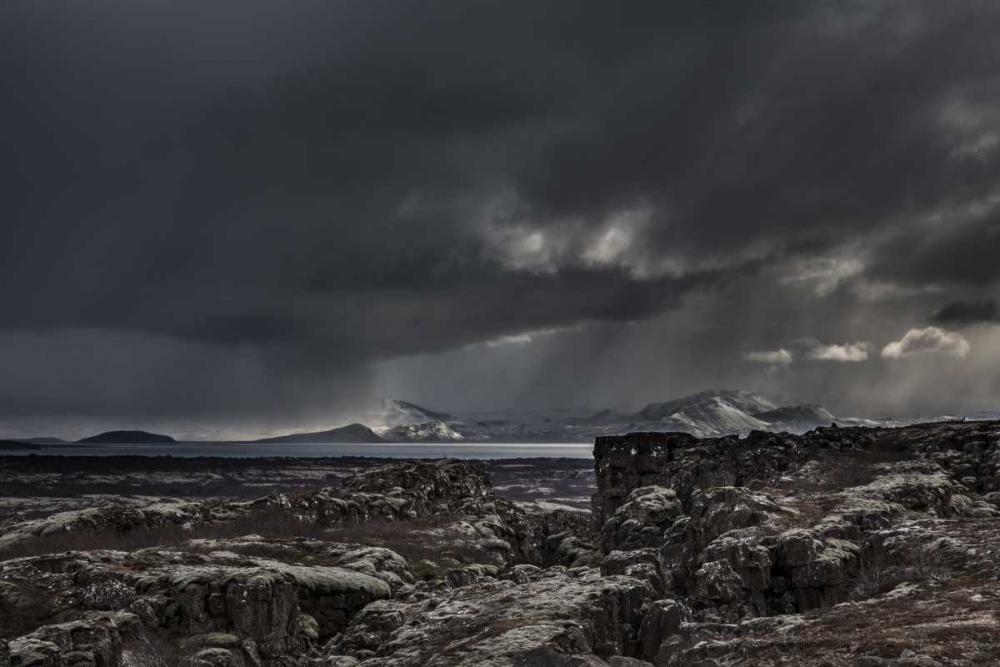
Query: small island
{"points": [[126, 438]]}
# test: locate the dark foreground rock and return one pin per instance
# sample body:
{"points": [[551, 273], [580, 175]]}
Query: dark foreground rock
{"points": [[840, 547], [528, 616], [781, 549]]}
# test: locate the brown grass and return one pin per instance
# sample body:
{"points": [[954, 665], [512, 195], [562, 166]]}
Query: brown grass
{"points": [[880, 574], [147, 649]]}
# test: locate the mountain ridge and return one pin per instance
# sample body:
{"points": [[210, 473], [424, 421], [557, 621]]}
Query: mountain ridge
{"points": [[353, 433], [704, 414]]}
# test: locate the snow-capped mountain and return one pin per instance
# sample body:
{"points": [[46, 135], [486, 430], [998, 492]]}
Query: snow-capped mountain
{"points": [[433, 431], [708, 405], [400, 413], [706, 414]]}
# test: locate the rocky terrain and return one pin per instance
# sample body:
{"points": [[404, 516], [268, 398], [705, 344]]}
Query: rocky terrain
{"points": [[35, 485], [859, 547]]}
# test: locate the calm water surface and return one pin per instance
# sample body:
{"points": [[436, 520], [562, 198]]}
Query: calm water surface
{"points": [[388, 450]]}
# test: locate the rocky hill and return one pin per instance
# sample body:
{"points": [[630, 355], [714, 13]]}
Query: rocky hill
{"points": [[852, 547], [353, 433]]}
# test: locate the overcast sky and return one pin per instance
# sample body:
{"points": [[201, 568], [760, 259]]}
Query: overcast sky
{"points": [[250, 216]]}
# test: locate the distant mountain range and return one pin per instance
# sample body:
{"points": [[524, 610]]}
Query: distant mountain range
{"points": [[709, 413], [706, 414]]}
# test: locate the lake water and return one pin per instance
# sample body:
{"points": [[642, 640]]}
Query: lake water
{"points": [[387, 450]]}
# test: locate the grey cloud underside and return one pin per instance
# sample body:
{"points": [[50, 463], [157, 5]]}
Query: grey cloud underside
{"points": [[964, 313], [323, 184]]}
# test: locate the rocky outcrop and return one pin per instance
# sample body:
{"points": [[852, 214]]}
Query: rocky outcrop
{"points": [[647, 513], [120, 519], [263, 602], [94, 642], [186, 595], [536, 615], [681, 514], [684, 464], [968, 453]]}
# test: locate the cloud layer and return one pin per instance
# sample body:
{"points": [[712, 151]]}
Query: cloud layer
{"points": [[780, 357], [965, 313], [277, 211], [848, 352], [930, 340]]}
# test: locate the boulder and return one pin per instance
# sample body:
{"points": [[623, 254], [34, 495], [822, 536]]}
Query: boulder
{"points": [[662, 621], [645, 564], [745, 555], [641, 521], [95, 642], [717, 581], [261, 600], [795, 548]]}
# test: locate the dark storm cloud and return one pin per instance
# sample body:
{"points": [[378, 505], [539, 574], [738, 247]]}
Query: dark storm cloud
{"points": [[959, 253], [328, 184], [964, 313]]}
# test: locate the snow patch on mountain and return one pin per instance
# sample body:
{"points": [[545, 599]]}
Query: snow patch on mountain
{"points": [[395, 412], [713, 417], [432, 431], [706, 414], [726, 403]]}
